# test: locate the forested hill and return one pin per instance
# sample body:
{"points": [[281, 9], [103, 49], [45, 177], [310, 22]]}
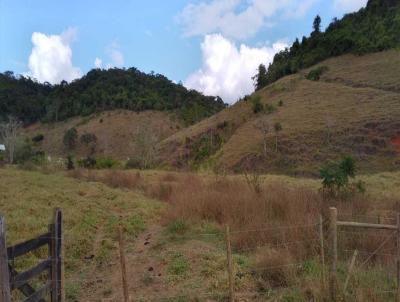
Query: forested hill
{"points": [[374, 28], [101, 90]]}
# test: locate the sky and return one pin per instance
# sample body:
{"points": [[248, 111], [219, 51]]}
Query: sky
{"points": [[213, 46]]}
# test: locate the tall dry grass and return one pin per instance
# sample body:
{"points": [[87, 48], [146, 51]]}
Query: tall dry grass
{"points": [[276, 222]]}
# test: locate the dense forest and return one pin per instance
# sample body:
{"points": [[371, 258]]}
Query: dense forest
{"points": [[374, 28], [101, 90]]}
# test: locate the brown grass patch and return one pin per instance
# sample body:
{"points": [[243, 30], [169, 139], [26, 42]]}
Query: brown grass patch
{"points": [[274, 267]]}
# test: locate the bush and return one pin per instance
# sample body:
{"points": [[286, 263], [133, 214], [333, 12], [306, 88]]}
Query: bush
{"points": [[269, 108], [106, 163], [70, 138], [38, 138], [70, 163], [256, 104], [335, 178], [133, 163], [315, 74], [23, 151], [88, 138], [87, 162]]}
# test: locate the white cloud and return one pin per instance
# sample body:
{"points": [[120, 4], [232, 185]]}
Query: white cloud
{"points": [[347, 6], [98, 63], [51, 57], [227, 70], [237, 18], [116, 56]]}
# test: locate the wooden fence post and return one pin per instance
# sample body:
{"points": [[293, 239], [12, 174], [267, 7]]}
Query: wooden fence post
{"points": [[333, 273], [398, 258], [5, 293], [55, 255], [350, 272], [123, 264], [230, 265], [59, 244], [321, 238]]}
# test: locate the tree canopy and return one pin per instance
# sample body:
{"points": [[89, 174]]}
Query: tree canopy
{"points": [[101, 90], [374, 28]]}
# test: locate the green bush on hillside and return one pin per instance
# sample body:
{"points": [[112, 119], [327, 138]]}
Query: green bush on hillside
{"points": [[315, 74], [256, 104], [336, 178], [106, 163]]}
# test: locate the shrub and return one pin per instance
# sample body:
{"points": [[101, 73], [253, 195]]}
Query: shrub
{"points": [[88, 138], [87, 162], [315, 74], [38, 158], [70, 138], [70, 163], [133, 163], [335, 178], [24, 151], [177, 227], [256, 104], [280, 104], [269, 108], [38, 138], [106, 163]]}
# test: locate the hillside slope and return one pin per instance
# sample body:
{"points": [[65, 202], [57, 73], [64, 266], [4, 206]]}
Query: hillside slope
{"points": [[115, 132], [353, 109]]}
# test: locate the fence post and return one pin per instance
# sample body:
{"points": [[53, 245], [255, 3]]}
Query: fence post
{"points": [[321, 238], [398, 258], [350, 272], [59, 245], [230, 266], [5, 294], [54, 254], [123, 264], [333, 274]]}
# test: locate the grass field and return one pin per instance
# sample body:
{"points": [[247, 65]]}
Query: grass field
{"points": [[174, 224]]}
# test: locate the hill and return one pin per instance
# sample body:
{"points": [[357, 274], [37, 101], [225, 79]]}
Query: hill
{"points": [[114, 132], [372, 29], [98, 91], [353, 109]]}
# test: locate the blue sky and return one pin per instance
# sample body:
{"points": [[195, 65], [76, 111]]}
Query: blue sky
{"points": [[211, 45]]}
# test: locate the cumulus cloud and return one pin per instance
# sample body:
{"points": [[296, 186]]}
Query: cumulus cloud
{"points": [[347, 6], [237, 18], [226, 69], [51, 57], [116, 56], [98, 63]]}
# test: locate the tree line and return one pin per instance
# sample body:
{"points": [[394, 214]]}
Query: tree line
{"points": [[100, 90], [373, 28]]}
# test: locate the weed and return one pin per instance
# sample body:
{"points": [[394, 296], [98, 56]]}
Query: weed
{"points": [[177, 227], [178, 265]]}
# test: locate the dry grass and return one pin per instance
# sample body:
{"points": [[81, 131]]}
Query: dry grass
{"points": [[275, 268], [276, 226], [353, 110], [115, 132]]}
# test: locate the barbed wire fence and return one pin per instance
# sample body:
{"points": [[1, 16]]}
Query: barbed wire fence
{"points": [[303, 242]]}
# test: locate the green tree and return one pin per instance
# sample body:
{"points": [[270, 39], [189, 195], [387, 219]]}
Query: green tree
{"points": [[261, 79], [335, 176], [317, 24]]}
